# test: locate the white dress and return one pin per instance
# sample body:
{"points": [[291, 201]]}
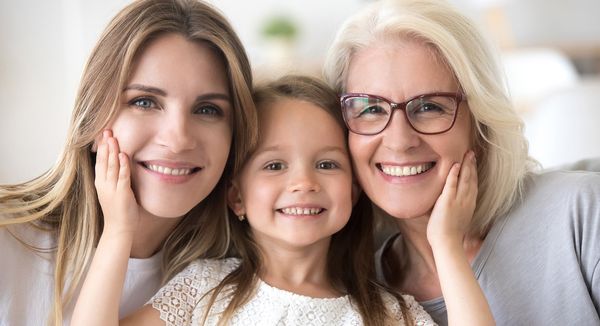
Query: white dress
{"points": [[183, 302]]}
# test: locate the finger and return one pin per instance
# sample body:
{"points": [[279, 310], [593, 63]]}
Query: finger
{"points": [[467, 184], [101, 161], [451, 185], [124, 172], [465, 172], [112, 171]]}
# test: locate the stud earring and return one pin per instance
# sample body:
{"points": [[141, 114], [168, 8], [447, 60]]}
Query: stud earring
{"points": [[241, 217]]}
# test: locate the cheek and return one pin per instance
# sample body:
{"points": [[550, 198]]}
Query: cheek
{"points": [[361, 149], [128, 132], [453, 146], [218, 140]]}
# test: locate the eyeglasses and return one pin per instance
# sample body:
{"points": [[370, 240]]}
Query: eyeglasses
{"points": [[429, 114]]}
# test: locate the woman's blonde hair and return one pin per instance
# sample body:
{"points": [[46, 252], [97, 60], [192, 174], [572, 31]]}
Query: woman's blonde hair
{"points": [[350, 262], [64, 200], [499, 143]]}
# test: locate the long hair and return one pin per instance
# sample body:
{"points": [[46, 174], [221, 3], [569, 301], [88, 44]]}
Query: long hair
{"points": [[499, 143], [64, 201], [350, 261]]}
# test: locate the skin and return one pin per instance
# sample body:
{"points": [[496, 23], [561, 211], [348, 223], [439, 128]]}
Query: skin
{"points": [[176, 97], [177, 94], [438, 253], [298, 166], [300, 163]]}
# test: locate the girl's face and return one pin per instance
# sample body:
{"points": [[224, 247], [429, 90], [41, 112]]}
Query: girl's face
{"points": [[175, 124], [296, 188], [384, 162]]}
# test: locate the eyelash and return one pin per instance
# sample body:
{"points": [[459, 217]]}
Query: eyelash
{"points": [[325, 165], [332, 164], [135, 102], [217, 111], [269, 166]]}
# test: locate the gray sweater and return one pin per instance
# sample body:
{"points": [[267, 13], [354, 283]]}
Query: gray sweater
{"points": [[540, 264]]}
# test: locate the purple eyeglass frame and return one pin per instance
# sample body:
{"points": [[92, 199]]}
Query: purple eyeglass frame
{"points": [[459, 97]]}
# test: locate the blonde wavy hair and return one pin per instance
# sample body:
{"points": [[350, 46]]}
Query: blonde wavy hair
{"points": [[499, 143], [64, 201]]}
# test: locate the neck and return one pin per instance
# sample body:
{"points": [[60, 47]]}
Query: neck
{"points": [[414, 236], [151, 234], [302, 270], [419, 275]]}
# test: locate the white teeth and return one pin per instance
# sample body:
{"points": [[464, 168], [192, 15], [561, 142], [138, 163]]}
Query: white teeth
{"points": [[301, 211], [402, 171], [168, 171]]}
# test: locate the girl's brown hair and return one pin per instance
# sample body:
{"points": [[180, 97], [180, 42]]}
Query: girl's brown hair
{"points": [[350, 258], [64, 201]]}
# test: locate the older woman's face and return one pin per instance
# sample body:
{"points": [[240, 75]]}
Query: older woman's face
{"points": [[384, 162]]}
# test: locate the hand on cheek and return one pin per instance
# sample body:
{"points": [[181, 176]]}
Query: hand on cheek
{"points": [[453, 210], [113, 185]]}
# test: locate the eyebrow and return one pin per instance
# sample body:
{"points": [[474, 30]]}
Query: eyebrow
{"points": [[160, 92]]}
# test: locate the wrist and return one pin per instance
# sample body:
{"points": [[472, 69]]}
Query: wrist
{"points": [[117, 233], [446, 242]]}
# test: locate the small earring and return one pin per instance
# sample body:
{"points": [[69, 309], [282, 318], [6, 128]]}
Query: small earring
{"points": [[241, 217]]}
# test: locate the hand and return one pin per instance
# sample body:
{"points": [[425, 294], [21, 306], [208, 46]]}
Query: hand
{"points": [[454, 209], [113, 184]]}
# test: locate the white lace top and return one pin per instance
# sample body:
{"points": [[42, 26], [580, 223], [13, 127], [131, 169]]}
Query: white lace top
{"points": [[182, 302]]}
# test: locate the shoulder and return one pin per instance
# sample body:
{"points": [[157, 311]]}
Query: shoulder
{"points": [[177, 300], [562, 180], [209, 269], [201, 275], [562, 189], [415, 311]]}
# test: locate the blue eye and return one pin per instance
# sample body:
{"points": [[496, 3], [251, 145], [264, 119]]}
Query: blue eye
{"points": [[327, 165], [209, 109], [274, 166], [143, 103]]}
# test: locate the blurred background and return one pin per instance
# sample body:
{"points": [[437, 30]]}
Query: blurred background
{"points": [[550, 50]]}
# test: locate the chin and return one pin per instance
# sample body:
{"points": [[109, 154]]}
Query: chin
{"points": [[402, 212], [166, 209]]}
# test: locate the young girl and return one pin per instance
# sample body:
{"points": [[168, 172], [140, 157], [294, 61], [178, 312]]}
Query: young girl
{"points": [[303, 256], [171, 80]]}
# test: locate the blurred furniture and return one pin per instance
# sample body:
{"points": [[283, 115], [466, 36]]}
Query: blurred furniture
{"points": [[534, 73], [564, 126]]}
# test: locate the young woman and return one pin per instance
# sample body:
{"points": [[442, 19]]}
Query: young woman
{"points": [[171, 80], [421, 88], [303, 256]]}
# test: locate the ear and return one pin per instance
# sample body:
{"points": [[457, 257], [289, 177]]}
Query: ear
{"points": [[234, 198], [356, 191]]}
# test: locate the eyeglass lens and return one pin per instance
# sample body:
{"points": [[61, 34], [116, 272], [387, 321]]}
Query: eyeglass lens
{"points": [[427, 114]]}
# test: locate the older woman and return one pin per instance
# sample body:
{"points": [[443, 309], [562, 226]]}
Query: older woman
{"points": [[420, 88]]}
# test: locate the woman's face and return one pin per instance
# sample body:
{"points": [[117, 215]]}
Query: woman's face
{"points": [[400, 71], [175, 124]]}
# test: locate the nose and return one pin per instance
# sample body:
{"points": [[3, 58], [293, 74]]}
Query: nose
{"points": [[176, 131], [399, 135], [303, 179]]}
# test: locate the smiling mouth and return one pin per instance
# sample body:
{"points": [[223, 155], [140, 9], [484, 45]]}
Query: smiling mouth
{"points": [[405, 171], [170, 171], [301, 211]]}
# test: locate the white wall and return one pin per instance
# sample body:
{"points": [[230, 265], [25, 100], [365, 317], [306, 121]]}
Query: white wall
{"points": [[44, 45]]}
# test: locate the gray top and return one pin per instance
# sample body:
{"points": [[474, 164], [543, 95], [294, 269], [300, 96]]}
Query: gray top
{"points": [[540, 264]]}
